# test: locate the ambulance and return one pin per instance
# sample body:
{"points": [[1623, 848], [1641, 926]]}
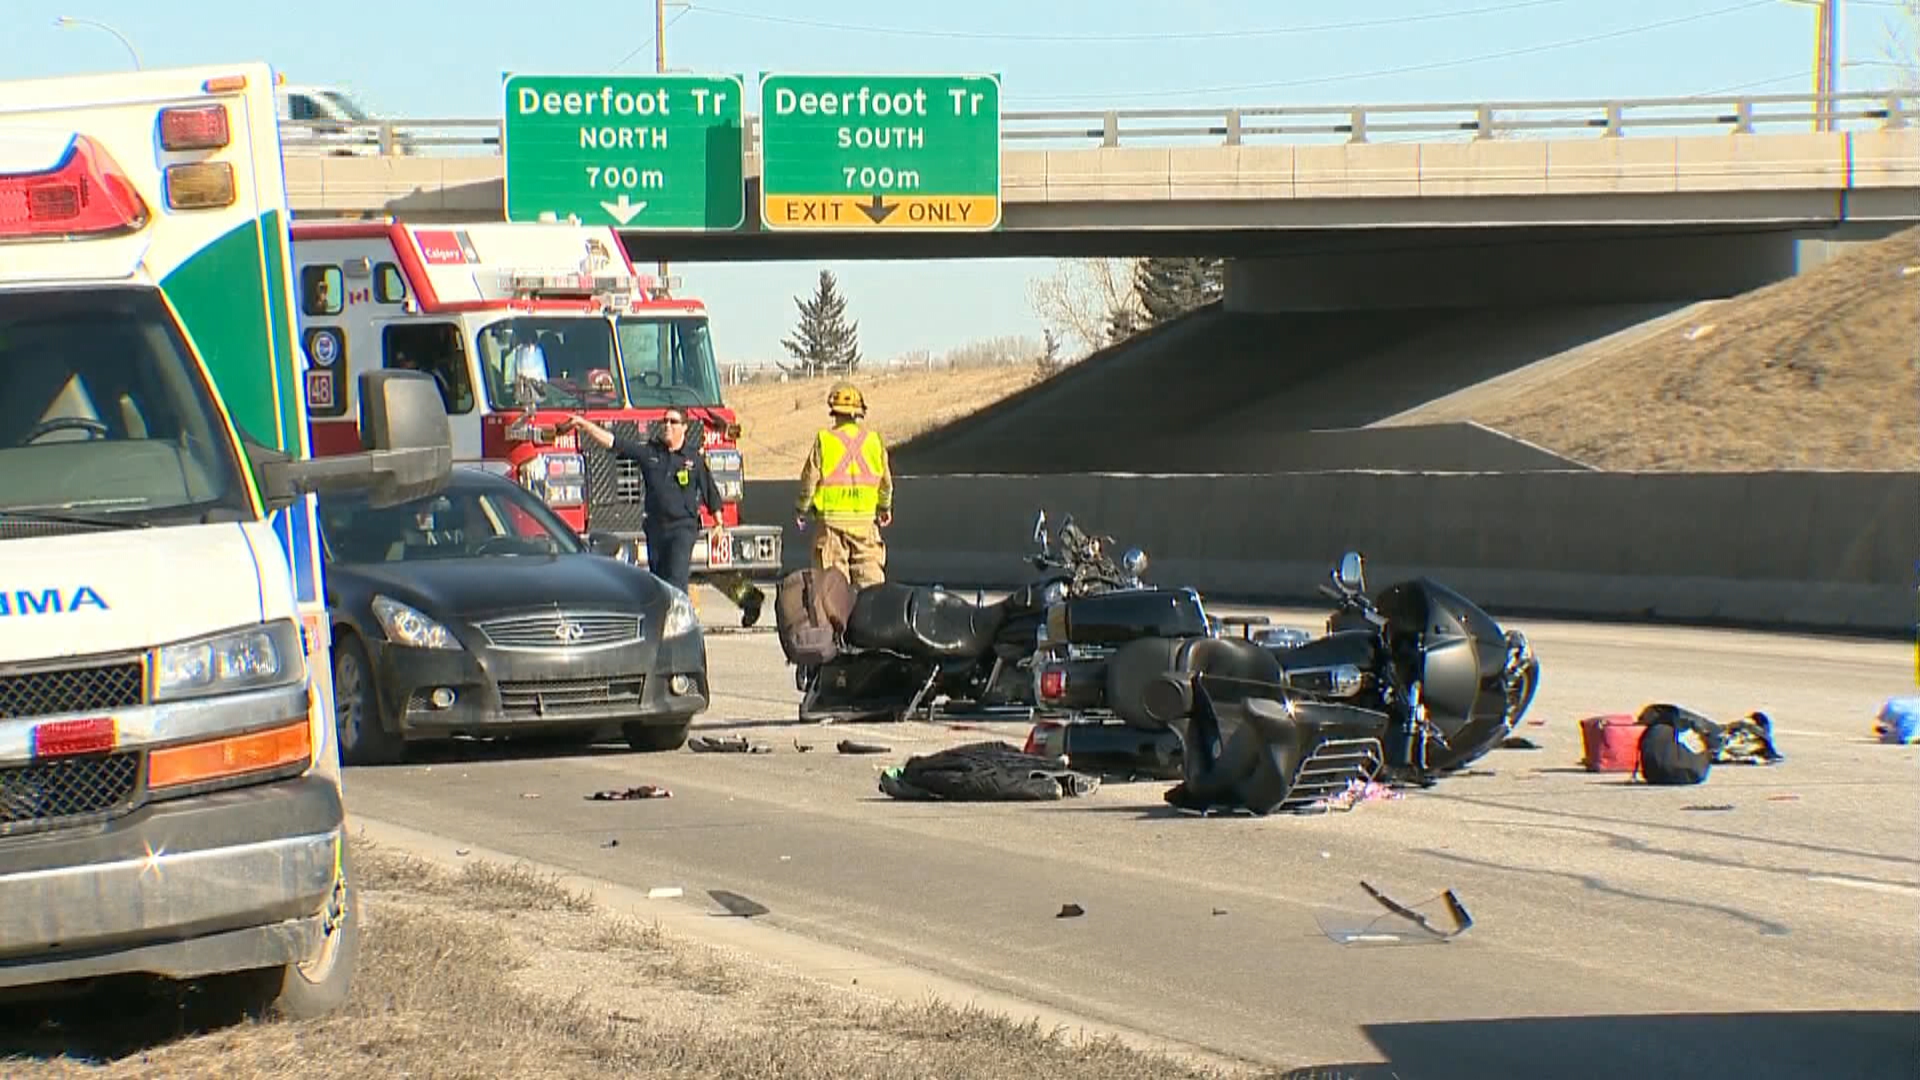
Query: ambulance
{"points": [[463, 302], [170, 796]]}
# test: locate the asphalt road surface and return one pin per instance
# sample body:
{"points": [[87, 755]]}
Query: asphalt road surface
{"points": [[1766, 923]]}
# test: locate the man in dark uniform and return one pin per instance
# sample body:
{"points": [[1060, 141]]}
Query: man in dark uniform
{"points": [[675, 479]]}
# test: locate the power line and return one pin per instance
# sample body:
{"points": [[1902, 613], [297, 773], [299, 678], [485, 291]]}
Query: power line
{"points": [[1175, 35], [1438, 65], [649, 43]]}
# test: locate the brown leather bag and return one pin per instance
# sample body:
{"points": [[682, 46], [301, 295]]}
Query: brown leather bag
{"points": [[810, 611]]}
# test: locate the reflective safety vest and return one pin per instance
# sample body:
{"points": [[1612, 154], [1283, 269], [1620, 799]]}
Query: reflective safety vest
{"points": [[852, 460]]}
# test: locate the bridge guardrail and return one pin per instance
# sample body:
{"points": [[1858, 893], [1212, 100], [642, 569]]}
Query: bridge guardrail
{"points": [[1240, 125]]}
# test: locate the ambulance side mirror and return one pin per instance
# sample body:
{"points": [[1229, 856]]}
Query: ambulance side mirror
{"points": [[408, 448]]}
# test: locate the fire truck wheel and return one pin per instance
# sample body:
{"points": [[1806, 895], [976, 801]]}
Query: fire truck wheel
{"points": [[655, 737]]}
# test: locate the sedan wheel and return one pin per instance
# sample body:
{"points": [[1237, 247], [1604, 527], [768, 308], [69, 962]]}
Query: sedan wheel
{"points": [[356, 709]]}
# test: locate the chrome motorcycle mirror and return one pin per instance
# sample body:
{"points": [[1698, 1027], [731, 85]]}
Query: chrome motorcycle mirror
{"points": [[1040, 531], [1352, 572], [1134, 562]]}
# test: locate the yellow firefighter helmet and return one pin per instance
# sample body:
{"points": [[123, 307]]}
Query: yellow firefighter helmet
{"points": [[846, 399]]}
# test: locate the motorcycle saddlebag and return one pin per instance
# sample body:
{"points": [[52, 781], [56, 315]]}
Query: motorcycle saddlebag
{"points": [[1611, 742], [810, 611]]}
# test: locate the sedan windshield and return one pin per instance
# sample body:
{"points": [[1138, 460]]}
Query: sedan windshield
{"points": [[457, 524], [549, 361], [104, 417]]}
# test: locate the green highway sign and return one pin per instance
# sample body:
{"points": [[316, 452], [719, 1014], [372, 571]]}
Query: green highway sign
{"points": [[644, 152], [876, 152]]}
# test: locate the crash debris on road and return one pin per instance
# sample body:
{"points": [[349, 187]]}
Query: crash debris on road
{"points": [[984, 772], [1670, 745]]}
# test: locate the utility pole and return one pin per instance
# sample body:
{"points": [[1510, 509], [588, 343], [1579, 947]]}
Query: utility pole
{"points": [[1826, 59], [660, 68]]}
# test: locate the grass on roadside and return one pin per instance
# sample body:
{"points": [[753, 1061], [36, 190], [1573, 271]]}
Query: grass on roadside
{"points": [[499, 972]]}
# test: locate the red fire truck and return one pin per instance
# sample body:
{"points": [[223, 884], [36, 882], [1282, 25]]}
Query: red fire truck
{"points": [[464, 302]]}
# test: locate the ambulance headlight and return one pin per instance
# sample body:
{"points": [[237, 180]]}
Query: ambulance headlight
{"points": [[253, 658]]}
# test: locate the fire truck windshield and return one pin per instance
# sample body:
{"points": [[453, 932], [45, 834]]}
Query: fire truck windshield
{"points": [[668, 360], [549, 361]]}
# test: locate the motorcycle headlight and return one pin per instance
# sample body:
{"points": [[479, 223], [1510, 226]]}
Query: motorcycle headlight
{"points": [[1053, 593], [405, 626], [255, 658], [680, 617]]}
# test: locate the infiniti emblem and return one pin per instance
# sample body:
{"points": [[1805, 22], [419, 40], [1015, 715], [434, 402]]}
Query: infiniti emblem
{"points": [[569, 632]]}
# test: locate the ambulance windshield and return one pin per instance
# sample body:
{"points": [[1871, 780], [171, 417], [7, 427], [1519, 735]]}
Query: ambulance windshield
{"points": [[549, 362], [104, 417], [668, 360]]}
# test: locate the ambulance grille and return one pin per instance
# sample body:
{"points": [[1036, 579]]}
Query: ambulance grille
{"points": [[55, 692], [613, 485], [61, 791]]}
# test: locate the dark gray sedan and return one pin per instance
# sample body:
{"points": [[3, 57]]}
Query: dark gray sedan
{"points": [[479, 612]]}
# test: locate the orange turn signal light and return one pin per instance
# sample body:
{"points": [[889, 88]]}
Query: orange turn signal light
{"points": [[234, 755]]}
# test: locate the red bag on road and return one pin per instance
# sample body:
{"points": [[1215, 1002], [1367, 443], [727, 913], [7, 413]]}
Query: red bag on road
{"points": [[1611, 742]]}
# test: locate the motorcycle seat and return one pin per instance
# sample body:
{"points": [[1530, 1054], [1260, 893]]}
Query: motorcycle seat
{"points": [[921, 621]]}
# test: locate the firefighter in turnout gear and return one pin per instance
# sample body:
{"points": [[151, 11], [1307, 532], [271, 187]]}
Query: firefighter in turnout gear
{"points": [[846, 492]]}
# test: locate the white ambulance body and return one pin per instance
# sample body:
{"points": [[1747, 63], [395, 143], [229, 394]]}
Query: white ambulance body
{"points": [[170, 798]]}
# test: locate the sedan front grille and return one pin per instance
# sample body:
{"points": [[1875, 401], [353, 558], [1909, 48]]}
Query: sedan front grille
{"points": [[561, 630], [44, 794], [59, 691], [559, 698]]}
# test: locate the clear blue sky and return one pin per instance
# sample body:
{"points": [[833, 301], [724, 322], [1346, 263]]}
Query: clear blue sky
{"points": [[446, 58]]}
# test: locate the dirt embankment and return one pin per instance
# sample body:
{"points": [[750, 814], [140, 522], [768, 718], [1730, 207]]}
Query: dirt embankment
{"points": [[1821, 371]]}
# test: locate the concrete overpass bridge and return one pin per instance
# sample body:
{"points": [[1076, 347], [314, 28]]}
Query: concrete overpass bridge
{"points": [[1278, 180]]}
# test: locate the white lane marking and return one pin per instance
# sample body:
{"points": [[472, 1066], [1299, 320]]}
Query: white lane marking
{"points": [[1872, 886]]}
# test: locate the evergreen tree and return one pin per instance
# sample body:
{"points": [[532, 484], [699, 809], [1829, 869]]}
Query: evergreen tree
{"points": [[824, 342], [1122, 323], [1170, 287]]}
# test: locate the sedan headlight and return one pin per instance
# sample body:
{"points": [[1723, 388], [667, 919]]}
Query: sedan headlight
{"points": [[254, 658], [680, 617], [405, 626]]}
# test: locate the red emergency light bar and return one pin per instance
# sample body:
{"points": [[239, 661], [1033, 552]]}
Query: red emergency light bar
{"points": [[87, 193]]}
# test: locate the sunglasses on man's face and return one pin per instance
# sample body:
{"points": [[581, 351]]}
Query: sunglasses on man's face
{"points": [[673, 421]]}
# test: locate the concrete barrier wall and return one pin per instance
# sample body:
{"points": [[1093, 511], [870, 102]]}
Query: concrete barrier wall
{"points": [[1834, 551]]}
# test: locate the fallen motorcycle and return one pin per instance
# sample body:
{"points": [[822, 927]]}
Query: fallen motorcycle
{"points": [[1409, 685], [908, 649]]}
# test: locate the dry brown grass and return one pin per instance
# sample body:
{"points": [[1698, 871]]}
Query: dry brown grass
{"points": [[779, 419], [1821, 371], [500, 973]]}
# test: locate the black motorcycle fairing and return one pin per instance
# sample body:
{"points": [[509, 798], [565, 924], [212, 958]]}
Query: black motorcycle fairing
{"points": [[921, 621], [1460, 654]]}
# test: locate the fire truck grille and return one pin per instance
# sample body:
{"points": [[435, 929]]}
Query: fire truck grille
{"points": [[613, 486]]}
